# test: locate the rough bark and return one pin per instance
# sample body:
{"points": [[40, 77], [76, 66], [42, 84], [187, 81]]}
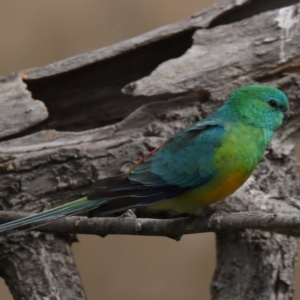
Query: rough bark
{"points": [[40, 266], [41, 167]]}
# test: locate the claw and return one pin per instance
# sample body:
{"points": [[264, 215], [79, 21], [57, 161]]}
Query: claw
{"points": [[128, 214]]}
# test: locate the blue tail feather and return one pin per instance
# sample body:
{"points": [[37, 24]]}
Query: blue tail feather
{"points": [[68, 209]]}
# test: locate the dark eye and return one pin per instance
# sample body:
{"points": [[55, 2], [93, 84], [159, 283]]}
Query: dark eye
{"points": [[272, 103]]}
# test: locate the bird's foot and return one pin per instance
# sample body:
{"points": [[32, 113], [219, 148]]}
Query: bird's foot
{"points": [[128, 214], [205, 213], [208, 211]]}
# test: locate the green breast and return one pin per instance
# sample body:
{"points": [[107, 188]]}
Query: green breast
{"points": [[242, 148]]}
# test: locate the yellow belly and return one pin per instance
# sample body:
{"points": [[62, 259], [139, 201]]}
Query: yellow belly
{"points": [[217, 189], [195, 199]]}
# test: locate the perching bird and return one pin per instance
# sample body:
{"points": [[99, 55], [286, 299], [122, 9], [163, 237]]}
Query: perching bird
{"points": [[198, 166]]}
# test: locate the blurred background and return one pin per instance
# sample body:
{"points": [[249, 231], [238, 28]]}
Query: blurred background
{"points": [[35, 33]]}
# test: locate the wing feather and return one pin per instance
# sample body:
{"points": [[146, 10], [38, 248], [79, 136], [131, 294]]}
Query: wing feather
{"points": [[184, 162]]}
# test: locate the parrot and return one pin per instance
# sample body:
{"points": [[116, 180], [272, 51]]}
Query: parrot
{"points": [[200, 165]]}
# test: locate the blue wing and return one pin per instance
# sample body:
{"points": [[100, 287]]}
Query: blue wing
{"points": [[182, 163], [186, 160]]}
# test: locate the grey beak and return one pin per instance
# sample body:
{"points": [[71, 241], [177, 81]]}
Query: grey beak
{"points": [[285, 117]]}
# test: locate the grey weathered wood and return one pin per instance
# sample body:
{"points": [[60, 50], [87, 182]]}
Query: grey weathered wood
{"points": [[40, 266], [44, 166], [19, 110], [265, 46]]}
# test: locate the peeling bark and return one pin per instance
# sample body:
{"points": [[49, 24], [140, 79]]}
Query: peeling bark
{"points": [[265, 46], [18, 110], [42, 166]]}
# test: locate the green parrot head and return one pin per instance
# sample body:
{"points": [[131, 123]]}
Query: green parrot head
{"points": [[261, 106]]}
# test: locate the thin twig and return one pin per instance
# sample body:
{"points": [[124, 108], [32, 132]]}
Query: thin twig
{"points": [[172, 228]]}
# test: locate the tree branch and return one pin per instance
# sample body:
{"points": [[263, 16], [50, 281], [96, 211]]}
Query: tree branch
{"points": [[128, 224]]}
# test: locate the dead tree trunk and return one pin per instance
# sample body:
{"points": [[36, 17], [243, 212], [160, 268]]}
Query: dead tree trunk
{"points": [[97, 112]]}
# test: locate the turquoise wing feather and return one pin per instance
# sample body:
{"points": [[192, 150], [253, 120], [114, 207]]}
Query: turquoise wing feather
{"points": [[185, 161], [168, 172]]}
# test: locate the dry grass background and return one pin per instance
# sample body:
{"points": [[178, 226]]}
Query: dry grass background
{"points": [[35, 33]]}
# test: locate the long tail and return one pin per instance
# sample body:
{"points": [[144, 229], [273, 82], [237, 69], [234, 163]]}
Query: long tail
{"points": [[112, 194], [80, 205]]}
